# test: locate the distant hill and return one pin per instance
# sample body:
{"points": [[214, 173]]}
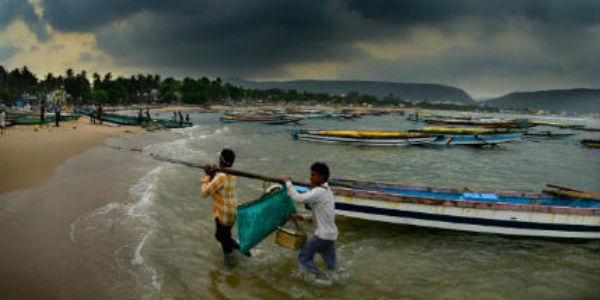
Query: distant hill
{"points": [[405, 91], [576, 100]]}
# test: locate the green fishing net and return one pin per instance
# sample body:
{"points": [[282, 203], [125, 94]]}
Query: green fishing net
{"points": [[257, 219]]}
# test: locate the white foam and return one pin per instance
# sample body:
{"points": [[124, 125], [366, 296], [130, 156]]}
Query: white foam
{"points": [[138, 259]]}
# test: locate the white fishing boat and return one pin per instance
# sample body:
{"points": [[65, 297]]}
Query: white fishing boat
{"points": [[499, 212]]}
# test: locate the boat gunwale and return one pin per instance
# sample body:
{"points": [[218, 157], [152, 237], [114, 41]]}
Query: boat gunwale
{"points": [[344, 189], [535, 208]]}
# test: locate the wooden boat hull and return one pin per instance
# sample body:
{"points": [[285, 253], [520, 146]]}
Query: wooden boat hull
{"points": [[476, 140], [484, 124], [365, 142], [591, 143], [414, 139], [414, 206], [133, 121], [548, 135], [262, 121]]}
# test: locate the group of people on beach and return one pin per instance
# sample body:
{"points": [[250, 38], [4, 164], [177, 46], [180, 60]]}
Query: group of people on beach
{"points": [[222, 188], [181, 118], [96, 113]]}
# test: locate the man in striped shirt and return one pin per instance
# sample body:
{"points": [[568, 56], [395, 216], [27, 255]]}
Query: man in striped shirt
{"points": [[221, 187]]}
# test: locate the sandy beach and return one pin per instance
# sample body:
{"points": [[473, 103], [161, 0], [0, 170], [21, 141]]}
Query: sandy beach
{"points": [[29, 157]]}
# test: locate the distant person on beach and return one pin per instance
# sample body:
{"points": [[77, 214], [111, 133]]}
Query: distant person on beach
{"points": [[187, 117], [180, 118], [174, 117], [42, 111], [92, 114], [140, 117], [57, 115], [221, 187], [99, 111], [2, 119], [320, 199], [148, 115]]}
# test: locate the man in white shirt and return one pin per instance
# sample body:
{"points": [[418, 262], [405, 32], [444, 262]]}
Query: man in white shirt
{"points": [[322, 205]]}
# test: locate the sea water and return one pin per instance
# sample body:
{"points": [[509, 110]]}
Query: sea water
{"points": [[158, 243]]}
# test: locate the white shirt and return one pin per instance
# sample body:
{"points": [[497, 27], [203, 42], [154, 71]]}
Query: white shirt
{"points": [[322, 206]]}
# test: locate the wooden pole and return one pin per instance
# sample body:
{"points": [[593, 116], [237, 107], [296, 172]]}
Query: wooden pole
{"points": [[226, 170]]}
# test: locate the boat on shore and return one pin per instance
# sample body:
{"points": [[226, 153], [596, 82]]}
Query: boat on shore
{"points": [[499, 212], [133, 121], [261, 119], [35, 120], [487, 123], [363, 138], [591, 143], [476, 140], [547, 134], [557, 124], [400, 138], [464, 130]]}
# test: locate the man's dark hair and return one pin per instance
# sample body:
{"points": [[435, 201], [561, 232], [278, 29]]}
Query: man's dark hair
{"points": [[321, 169], [227, 157]]}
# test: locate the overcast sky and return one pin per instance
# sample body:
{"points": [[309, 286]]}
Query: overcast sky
{"points": [[486, 47]]}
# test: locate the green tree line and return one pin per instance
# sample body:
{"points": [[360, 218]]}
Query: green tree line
{"points": [[106, 89]]}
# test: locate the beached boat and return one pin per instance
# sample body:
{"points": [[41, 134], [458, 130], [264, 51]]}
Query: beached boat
{"points": [[499, 212], [487, 123], [463, 130], [548, 134], [587, 128], [476, 140], [133, 121], [414, 116], [269, 120], [591, 143], [557, 124], [363, 138]]}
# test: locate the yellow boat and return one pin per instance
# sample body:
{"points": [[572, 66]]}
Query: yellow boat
{"points": [[368, 134], [556, 124]]}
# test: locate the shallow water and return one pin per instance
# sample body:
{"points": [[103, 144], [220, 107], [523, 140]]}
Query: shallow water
{"points": [[158, 244]]}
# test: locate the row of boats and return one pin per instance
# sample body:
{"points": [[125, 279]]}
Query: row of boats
{"points": [[135, 121], [34, 119], [278, 117]]}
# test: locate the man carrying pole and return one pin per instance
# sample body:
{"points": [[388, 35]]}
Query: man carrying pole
{"points": [[221, 187]]}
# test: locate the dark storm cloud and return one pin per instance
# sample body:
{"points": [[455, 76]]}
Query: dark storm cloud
{"points": [[7, 52], [258, 38], [11, 10]]}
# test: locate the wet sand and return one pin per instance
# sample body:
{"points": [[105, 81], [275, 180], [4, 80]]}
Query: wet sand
{"points": [[74, 176], [28, 158]]}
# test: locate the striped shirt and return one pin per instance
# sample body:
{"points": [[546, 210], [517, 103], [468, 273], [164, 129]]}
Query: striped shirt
{"points": [[222, 190]]}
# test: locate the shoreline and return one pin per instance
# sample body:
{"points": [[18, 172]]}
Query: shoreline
{"points": [[29, 157]]}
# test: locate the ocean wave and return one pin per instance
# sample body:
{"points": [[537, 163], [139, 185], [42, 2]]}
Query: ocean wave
{"points": [[132, 220]]}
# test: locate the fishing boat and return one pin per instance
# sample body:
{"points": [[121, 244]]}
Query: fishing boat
{"points": [[487, 123], [587, 129], [463, 130], [548, 134], [363, 138], [591, 143], [267, 119], [557, 124], [499, 212], [476, 140], [414, 116], [133, 121]]}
